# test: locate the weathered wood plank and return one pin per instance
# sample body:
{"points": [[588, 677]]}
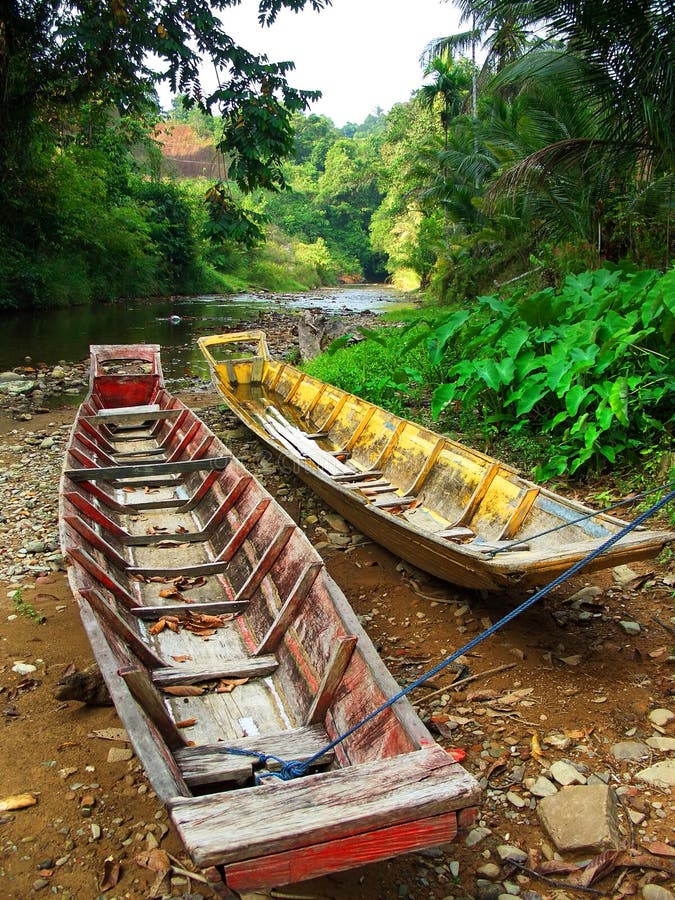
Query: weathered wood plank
{"points": [[290, 609], [335, 669], [131, 415], [117, 624], [208, 763], [393, 501], [479, 493], [153, 754], [118, 473], [334, 856], [146, 695], [351, 801], [519, 514], [213, 608], [429, 463], [249, 667], [265, 563], [90, 565]]}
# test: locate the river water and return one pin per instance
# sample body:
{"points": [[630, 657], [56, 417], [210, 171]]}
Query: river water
{"points": [[50, 336]]}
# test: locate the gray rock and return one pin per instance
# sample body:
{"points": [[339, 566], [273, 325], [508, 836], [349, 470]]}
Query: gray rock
{"points": [[508, 851], [24, 668], [664, 744], [476, 835], [661, 774], [558, 740], [47, 443], [628, 627], [541, 787], [515, 799], [10, 376], [339, 540], [565, 773], [582, 817], [489, 870], [337, 523], [34, 547], [486, 890], [631, 750], [661, 717]]}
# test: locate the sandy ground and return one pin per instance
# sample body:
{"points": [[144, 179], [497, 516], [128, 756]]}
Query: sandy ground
{"points": [[577, 676]]}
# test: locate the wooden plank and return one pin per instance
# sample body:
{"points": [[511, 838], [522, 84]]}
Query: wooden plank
{"points": [[330, 856], [337, 409], [519, 515], [244, 528], [315, 399], [354, 800], [148, 698], [200, 492], [183, 443], [96, 515], [390, 445], [131, 416], [206, 764], [89, 564], [335, 670], [94, 448], [117, 473], [355, 476], [360, 428], [117, 624], [94, 433], [266, 562], [248, 667], [211, 608], [95, 540], [298, 381], [211, 568], [290, 609], [153, 754], [479, 493], [298, 442], [277, 377], [393, 501], [460, 533], [429, 463]]}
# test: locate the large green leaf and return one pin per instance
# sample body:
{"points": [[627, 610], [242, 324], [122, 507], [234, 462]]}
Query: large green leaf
{"points": [[444, 394]]}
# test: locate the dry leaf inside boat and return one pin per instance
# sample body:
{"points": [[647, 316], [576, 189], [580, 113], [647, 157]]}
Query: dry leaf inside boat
{"points": [[227, 685], [186, 723], [170, 593], [180, 659]]}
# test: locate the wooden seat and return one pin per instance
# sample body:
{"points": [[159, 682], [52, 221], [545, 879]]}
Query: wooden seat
{"points": [[247, 823]]}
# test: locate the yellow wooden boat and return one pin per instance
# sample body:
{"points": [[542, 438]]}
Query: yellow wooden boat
{"points": [[450, 510]]}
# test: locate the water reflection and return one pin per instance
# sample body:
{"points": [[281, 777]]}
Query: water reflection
{"points": [[52, 335]]}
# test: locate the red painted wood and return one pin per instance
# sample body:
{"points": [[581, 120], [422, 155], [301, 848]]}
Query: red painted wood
{"points": [[338, 855]]}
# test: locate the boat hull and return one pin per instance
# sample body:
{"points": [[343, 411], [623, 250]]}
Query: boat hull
{"points": [[451, 511], [227, 647]]}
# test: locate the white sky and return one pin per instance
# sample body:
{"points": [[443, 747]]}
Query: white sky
{"points": [[360, 54]]}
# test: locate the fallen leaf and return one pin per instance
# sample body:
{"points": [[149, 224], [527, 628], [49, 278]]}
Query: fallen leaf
{"points": [[170, 593], [227, 685], [660, 848], [660, 651], [111, 875], [17, 801], [556, 867], [129, 490], [150, 490], [67, 745], [184, 690], [186, 723], [156, 860], [597, 868], [46, 873], [180, 659], [180, 529], [535, 747], [158, 627]]}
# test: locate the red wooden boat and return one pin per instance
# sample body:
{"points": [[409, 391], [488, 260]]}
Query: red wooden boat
{"points": [[218, 629]]}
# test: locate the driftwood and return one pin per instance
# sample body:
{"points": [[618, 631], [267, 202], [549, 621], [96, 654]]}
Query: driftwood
{"points": [[316, 331]]}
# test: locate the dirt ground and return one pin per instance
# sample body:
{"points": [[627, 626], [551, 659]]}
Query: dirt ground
{"points": [[570, 680]]}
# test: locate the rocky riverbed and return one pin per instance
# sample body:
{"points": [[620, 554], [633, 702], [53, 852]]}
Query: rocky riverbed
{"points": [[567, 716]]}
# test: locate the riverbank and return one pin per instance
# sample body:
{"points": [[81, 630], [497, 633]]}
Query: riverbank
{"points": [[569, 693]]}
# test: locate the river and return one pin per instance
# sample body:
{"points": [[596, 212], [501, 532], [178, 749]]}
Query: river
{"points": [[50, 336]]}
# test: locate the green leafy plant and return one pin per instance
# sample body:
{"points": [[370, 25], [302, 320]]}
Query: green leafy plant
{"points": [[25, 609], [587, 365]]}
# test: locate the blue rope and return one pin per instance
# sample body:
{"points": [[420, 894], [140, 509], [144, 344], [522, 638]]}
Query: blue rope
{"points": [[295, 768], [628, 500]]}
